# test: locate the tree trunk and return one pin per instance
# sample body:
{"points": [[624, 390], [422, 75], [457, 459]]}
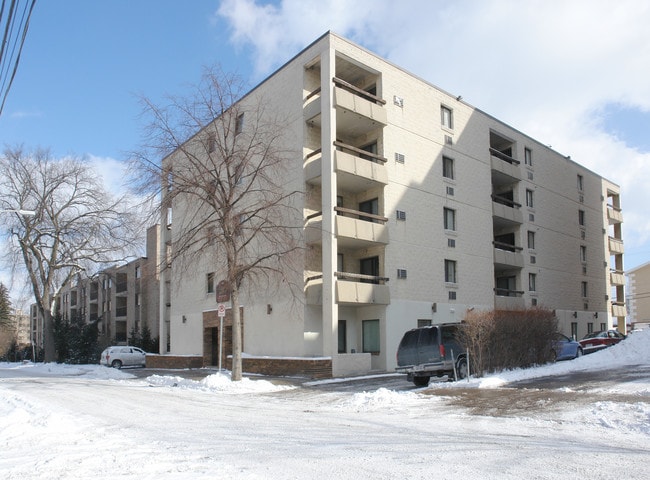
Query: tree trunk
{"points": [[49, 348], [236, 374]]}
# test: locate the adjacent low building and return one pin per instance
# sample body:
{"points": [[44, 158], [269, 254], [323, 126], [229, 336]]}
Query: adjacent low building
{"points": [[119, 299], [417, 207]]}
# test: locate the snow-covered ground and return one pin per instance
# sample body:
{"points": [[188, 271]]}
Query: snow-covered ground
{"points": [[62, 421]]}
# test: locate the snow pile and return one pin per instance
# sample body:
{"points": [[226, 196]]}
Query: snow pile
{"points": [[381, 399], [218, 382], [634, 350], [28, 369]]}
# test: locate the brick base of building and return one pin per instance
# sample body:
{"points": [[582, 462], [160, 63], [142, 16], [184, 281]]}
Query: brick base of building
{"points": [[287, 367], [174, 361]]}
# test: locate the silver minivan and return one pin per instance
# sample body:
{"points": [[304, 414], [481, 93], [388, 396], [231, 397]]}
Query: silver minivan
{"points": [[432, 351]]}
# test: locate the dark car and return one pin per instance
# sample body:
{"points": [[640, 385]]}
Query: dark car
{"points": [[565, 348], [599, 340], [431, 351]]}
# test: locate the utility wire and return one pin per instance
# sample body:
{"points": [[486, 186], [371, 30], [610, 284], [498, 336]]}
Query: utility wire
{"points": [[15, 26]]}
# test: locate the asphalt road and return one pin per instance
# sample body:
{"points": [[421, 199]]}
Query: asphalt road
{"points": [[519, 398]]}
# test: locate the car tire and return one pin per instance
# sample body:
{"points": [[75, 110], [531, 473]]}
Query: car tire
{"points": [[461, 368], [116, 364], [421, 381]]}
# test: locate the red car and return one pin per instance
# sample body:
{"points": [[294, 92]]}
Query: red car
{"points": [[598, 340]]}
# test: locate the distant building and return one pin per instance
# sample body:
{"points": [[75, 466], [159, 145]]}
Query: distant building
{"points": [[119, 298], [638, 295], [417, 207]]}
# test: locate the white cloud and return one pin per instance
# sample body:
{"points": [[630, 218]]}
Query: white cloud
{"points": [[546, 67]]}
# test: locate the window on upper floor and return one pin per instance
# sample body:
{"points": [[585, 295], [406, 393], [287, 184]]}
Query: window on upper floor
{"points": [[209, 282], [581, 218], [532, 282], [531, 239], [583, 289], [529, 199], [583, 253], [449, 218], [239, 125], [450, 271], [446, 117], [448, 167], [581, 184], [528, 157]]}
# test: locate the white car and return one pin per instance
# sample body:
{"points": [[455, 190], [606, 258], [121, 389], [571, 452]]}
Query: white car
{"points": [[118, 357]]}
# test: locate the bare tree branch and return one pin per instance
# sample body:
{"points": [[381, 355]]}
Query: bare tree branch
{"points": [[223, 173], [78, 226]]}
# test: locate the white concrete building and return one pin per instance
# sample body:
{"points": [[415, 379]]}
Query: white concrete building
{"points": [[638, 295], [417, 207]]}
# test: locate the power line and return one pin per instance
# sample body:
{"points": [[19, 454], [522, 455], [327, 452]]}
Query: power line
{"points": [[14, 23]]}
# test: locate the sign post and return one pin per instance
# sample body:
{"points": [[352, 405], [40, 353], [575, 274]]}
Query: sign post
{"points": [[221, 311]]}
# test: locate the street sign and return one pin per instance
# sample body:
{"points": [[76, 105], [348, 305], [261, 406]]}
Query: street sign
{"points": [[221, 310]]}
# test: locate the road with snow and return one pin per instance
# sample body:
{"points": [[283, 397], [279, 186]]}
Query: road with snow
{"points": [[70, 422]]}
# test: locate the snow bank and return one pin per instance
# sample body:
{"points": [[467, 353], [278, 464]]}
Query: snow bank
{"points": [[219, 382], [634, 350], [28, 369]]}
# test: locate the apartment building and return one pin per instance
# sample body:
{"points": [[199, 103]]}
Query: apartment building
{"points": [[119, 298], [417, 208], [638, 295]]}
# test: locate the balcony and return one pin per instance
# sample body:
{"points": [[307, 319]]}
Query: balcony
{"points": [[357, 289], [506, 299], [357, 111], [618, 309], [505, 169], [507, 256], [616, 246], [614, 215], [506, 211], [353, 229], [617, 277], [357, 170]]}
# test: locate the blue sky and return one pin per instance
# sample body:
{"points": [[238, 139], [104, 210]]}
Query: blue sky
{"points": [[572, 74]]}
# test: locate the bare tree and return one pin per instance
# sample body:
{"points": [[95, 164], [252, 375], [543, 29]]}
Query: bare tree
{"points": [[77, 225], [223, 172]]}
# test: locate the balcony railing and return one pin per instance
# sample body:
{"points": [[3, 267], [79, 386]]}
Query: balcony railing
{"points": [[359, 277], [506, 246], [358, 152], [505, 292], [358, 91], [503, 156], [368, 217], [505, 201]]}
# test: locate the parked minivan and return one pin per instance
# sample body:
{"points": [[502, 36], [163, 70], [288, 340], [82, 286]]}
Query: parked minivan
{"points": [[432, 351]]}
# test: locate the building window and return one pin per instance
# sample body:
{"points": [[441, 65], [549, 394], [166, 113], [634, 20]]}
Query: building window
{"points": [[448, 167], [583, 254], [343, 341], [449, 218], [590, 327], [138, 271], [574, 330], [581, 184], [400, 215], [370, 336], [424, 322], [450, 271], [446, 117], [138, 299], [209, 282], [212, 143], [528, 156], [239, 125], [581, 218], [583, 289], [531, 240], [529, 199], [532, 282]]}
